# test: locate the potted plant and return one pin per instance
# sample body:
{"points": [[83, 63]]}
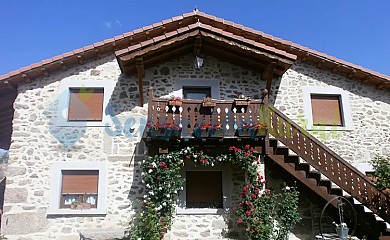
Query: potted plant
{"points": [[217, 130], [342, 230], [260, 129], [202, 130], [163, 130], [241, 100], [208, 102], [81, 203], [175, 101]]}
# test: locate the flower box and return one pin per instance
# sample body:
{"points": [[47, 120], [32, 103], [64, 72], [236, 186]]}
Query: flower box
{"points": [[217, 133], [245, 132], [209, 104], [241, 102], [261, 132], [201, 133], [159, 133], [176, 103], [80, 206], [251, 132]]}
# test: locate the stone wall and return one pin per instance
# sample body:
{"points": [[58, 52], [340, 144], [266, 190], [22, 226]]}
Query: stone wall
{"points": [[37, 142], [370, 109]]}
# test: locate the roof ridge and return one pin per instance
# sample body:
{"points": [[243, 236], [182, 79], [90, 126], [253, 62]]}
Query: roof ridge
{"points": [[113, 44]]}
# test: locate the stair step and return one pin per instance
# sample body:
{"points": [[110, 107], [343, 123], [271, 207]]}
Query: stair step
{"points": [[324, 178], [280, 144], [379, 219], [356, 202], [366, 209], [346, 195], [291, 153]]}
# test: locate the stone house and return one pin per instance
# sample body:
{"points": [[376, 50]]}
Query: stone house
{"points": [[75, 127]]}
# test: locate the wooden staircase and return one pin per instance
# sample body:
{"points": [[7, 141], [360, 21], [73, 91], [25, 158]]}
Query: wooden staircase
{"points": [[326, 173]]}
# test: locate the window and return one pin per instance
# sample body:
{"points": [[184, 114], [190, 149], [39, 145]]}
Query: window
{"points": [[78, 188], [327, 109], [85, 104], [196, 89], [204, 189], [207, 190], [198, 93]]}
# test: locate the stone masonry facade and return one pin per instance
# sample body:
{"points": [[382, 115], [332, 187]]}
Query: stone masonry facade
{"points": [[37, 142]]}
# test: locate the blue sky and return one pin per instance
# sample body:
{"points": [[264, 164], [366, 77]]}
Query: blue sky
{"points": [[354, 30]]}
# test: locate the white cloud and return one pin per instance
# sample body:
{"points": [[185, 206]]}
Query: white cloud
{"points": [[113, 23]]}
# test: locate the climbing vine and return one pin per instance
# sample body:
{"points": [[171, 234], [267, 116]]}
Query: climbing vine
{"points": [[163, 181]]}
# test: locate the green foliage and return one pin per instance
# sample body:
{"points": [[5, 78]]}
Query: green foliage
{"points": [[163, 181], [267, 215], [288, 214], [381, 166]]}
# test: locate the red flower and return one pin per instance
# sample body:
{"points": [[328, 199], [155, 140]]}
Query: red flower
{"points": [[253, 195], [247, 146], [158, 178], [246, 154], [239, 220], [248, 213]]}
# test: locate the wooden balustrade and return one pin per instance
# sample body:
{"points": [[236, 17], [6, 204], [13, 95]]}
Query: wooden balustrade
{"points": [[192, 113], [328, 163]]}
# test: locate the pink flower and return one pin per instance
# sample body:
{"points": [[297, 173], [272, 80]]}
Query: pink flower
{"points": [[246, 154], [253, 195], [239, 220], [247, 146], [248, 213]]}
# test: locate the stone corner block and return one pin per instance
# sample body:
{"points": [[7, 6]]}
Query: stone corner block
{"points": [[23, 223], [15, 195]]}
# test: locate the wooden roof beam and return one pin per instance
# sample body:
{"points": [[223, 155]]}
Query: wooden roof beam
{"points": [[10, 86], [268, 74], [139, 63], [198, 45], [351, 74]]}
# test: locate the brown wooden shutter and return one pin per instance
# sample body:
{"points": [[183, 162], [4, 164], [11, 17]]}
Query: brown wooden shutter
{"points": [[326, 110], [80, 181], [203, 187], [86, 104]]}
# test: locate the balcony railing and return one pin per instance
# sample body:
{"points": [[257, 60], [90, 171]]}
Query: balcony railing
{"points": [[235, 118]]}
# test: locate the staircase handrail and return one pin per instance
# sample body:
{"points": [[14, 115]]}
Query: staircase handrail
{"points": [[328, 163]]}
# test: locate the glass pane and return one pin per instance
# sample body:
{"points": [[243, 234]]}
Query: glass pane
{"points": [[196, 95]]}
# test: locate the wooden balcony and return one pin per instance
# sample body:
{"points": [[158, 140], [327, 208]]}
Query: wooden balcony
{"points": [[216, 119]]}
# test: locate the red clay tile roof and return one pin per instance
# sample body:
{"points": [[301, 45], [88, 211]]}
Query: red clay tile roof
{"points": [[167, 27]]}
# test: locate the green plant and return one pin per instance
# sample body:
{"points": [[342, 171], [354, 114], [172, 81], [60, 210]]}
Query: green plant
{"points": [[381, 166], [267, 215], [163, 181]]}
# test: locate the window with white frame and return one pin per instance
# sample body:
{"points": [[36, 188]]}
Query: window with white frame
{"points": [[196, 89], [84, 103], [327, 109], [78, 188], [207, 190]]}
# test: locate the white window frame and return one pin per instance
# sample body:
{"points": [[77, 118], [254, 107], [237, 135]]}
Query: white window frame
{"points": [[226, 190], [64, 97], [345, 107], [213, 84], [55, 198]]}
